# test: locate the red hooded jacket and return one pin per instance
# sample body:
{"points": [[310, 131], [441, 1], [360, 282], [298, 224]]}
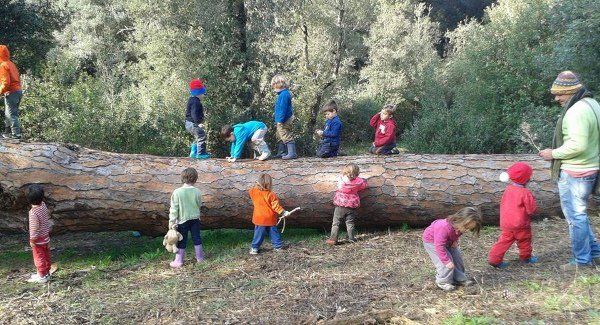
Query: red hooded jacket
{"points": [[385, 131], [9, 74]]}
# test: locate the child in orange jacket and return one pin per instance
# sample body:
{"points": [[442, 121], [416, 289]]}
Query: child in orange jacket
{"points": [[266, 210]]}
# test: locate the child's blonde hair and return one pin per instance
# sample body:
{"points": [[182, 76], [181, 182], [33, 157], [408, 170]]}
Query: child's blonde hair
{"points": [[351, 171], [264, 182], [467, 219], [389, 108], [280, 81]]}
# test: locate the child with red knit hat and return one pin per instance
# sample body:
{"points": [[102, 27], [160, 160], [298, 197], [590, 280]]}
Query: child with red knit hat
{"points": [[194, 120], [516, 208]]}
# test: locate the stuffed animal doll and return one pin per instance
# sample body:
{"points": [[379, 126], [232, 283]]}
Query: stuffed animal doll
{"points": [[171, 239]]}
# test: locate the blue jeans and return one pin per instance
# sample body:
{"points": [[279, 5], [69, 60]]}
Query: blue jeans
{"points": [[574, 193], [259, 235], [328, 149], [11, 113], [192, 226]]}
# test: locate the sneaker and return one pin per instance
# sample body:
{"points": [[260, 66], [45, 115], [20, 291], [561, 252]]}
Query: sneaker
{"points": [[531, 260], [36, 278], [501, 265], [445, 286], [253, 251], [466, 283], [573, 266], [331, 242], [278, 249], [394, 151]]}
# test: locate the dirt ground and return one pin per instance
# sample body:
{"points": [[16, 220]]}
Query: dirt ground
{"points": [[386, 277]]}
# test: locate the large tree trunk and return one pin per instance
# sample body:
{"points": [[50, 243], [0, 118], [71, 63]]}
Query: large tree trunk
{"points": [[91, 190]]}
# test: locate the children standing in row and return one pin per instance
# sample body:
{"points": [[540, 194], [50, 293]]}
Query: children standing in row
{"points": [[239, 134], [346, 201], [39, 234], [194, 120], [331, 134], [385, 132], [284, 118]]}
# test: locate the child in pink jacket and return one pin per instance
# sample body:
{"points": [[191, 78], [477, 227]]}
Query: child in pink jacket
{"points": [[346, 201]]}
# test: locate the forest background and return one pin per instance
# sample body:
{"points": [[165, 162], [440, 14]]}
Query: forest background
{"points": [[465, 74]]}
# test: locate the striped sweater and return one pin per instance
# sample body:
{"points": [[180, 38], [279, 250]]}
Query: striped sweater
{"points": [[39, 224]]}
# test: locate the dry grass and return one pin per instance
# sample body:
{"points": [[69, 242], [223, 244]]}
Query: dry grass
{"points": [[385, 277]]}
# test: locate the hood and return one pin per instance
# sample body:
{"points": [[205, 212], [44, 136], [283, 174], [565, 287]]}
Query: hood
{"points": [[4, 53]]}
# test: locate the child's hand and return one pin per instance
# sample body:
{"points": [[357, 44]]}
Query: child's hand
{"points": [[450, 265], [201, 125], [231, 159], [455, 244], [285, 213], [320, 132]]}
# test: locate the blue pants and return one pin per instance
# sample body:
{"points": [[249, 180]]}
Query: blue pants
{"points": [[11, 113], [574, 193], [328, 149], [259, 235], [192, 226]]}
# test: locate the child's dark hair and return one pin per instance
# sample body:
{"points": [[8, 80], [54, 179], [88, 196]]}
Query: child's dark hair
{"points": [[264, 182], [189, 176], [330, 107], [35, 194], [467, 219], [226, 131]]}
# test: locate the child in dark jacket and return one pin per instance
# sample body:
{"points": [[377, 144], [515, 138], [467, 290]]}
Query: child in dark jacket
{"points": [[516, 208], [385, 132], [331, 134], [346, 201], [194, 120]]}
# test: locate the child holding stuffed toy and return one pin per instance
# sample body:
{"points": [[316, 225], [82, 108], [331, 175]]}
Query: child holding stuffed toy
{"points": [[346, 201], [184, 214], [516, 208], [266, 209], [39, 234], [440, 240]]}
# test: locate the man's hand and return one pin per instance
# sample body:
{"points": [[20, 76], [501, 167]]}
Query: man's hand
{"points": [[450, 265], [546, 154], [231, 159]]}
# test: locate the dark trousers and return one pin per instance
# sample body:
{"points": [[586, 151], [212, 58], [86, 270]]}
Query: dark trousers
{"points": [[383, 150], [199, 135], [11, 113], [328, 149], [339, 214], [192, 226]]}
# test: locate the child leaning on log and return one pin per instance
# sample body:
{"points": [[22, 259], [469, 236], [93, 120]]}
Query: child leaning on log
{"points": [[251, 131], [185, 215], [440, 240], [39, 234], [264, 217], [346, 201]]}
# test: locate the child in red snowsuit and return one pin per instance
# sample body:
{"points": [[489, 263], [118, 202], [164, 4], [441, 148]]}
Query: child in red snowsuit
{"points": [[516, 208]]}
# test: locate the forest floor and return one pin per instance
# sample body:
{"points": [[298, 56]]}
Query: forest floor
{"points": [[386, 277]]}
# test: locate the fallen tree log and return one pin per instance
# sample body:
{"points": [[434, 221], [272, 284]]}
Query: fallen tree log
{"points": [[91, 190]]}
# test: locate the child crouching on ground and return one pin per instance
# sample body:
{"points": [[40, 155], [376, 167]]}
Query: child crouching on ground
{"points": [[39, 234], [346, 201], [332, 132], [185, 215], [266, 209], [441, 243], [516, 208]]}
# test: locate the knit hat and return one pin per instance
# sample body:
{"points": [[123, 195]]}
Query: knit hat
{"points": [[197, 87], [566, 83], [519, 173]]}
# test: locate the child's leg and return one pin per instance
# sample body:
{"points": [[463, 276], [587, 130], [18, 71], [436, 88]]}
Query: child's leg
{"points": [[183, 229], [350, 216], [443, 275], [497, 252], [275, 236], [259, 144], [338, 215], [523, 238], [259, 236], [200, 140], [195, 231], [41, 259], [459, 265]]}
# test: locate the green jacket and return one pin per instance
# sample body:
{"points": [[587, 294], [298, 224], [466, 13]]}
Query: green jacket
{"points": [[185, 204]]}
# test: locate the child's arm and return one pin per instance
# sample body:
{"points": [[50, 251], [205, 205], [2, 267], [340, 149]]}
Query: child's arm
{"points": [[529, 203], [375, 120], [333, 131], [197, 114], [236, 148], [34, 226], [275, 204], [440, 241], [173, 210]]}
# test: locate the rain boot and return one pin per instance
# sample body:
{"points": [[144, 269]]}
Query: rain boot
{"points": [[202, 154], [199, 253], [263, 150], [281, 150], [178, 261], [291, 151], [193, 150]]}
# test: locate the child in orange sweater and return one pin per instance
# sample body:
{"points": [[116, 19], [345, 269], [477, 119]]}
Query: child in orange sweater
{"points": [[266, 210]]}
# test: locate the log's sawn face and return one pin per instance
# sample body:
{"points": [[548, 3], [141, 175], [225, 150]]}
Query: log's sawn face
{"points": [[90, 190]]}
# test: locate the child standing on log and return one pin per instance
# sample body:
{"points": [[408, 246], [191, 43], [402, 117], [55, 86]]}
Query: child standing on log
{"points": [[331, 133], [194, 120], [440, 240], [385, 132], [39, 234], [346, 201], [239, 134], [284, 118], [516, 208], [185, 215], [266, 209]]}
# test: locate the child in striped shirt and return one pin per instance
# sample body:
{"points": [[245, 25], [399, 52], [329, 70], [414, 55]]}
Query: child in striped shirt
{"points": [[39, 234]]}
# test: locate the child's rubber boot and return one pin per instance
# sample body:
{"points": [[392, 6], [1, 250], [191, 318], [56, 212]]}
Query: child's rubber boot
{"points": [[291, 151], [263, 149], [281, 150], [193, 150], [532, 259], [501, 265], [178, 261], [202, 154], [199, 253]]}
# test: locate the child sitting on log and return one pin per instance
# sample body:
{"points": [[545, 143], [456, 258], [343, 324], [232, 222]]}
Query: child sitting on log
{"points": [[440, 240], [239, 134], [39, 234], [516, 208], [194, 120], [346, 201], [385, 131], [331, 133], [264, 217], [185, 215]]}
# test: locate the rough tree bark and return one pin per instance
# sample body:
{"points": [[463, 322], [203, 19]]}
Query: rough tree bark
{"points": [[99, 191]]}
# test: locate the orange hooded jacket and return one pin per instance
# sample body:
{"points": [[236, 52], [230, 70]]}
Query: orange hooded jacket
{"points": [[266, 207], [9, 74]]}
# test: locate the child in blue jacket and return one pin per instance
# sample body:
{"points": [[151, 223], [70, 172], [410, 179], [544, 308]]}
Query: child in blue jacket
{"points": [[239, 134], [284, 118], [331, 134]]}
